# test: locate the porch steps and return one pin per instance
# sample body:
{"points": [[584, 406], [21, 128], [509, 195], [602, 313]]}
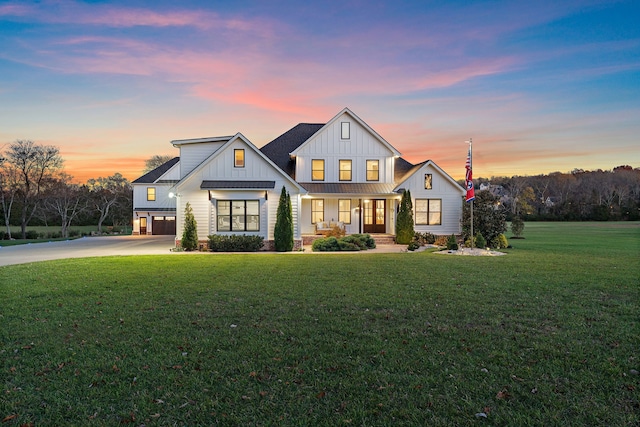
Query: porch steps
{"points": [[381, 239]]}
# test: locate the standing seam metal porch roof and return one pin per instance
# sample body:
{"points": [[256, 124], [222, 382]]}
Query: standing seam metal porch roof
{"points": [[348, 188], [238, 185]]}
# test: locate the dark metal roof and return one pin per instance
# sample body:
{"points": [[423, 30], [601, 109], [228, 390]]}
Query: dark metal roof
{"points": [[347, 188], [401, 169], [278, 150], [244, 185], [152, 176]]}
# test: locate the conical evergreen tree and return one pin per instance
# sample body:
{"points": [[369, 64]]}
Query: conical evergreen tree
{"points": [[283, 232], [404, 221], [190, 231]]}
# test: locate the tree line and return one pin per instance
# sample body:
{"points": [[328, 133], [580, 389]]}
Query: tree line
{"points": [[579, 195], [35, 190]]}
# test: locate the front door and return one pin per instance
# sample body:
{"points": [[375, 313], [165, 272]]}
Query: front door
{"points": [[143, 225], [374, 215]]}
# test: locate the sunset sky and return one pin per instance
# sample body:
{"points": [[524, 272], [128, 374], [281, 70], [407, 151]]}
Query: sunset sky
{"points": [[540, 86]]}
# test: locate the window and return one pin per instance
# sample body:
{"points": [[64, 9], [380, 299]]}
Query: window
{"points": [[345, 170], [429, 211], [428, 181], [345, 130], [238, 158], [151, 194], [372, 170], [238, 215], [317, 170], [317, 211], [344, 211]]}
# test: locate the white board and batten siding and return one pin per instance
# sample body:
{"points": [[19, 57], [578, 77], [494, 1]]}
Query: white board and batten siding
{"points": [[443, 188], [328, 145], [191, 155]]}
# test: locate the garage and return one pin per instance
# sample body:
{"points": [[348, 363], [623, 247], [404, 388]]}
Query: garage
{"points": [[163, 225]]}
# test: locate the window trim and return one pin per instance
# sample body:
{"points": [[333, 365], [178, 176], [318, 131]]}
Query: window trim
{"points": [[427, 212], [350, 170], [317, 170], [231, 215], [314, 211], [238, 163], [151, 194], [344, 211], [428, 181], [377, 170], [345, 130]]}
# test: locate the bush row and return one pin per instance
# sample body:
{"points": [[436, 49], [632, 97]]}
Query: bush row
{"points": [[352, 242], [450, 242], [235, 243], [34, 235]]}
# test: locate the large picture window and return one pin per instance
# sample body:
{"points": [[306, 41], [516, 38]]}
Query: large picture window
{"points": [[317, 170], [151, 194], [317, 210], [344, 211], [238, 215], [373, 172], [345, 170], [428, 211]]}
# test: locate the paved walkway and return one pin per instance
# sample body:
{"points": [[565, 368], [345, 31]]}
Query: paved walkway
{"points": [[121, 245]]}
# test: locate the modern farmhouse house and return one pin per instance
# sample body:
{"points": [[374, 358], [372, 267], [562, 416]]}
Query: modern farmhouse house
{"points": [[341, 173]]}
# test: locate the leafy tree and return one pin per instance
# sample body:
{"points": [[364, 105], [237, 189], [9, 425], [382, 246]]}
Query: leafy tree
{"points": [[517, 226], [155, 161], [404, 221], [283, 232], [32, 168], [190, 232], [488, 217], [107, 194]]}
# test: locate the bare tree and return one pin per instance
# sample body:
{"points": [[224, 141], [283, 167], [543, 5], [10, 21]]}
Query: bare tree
{"points": [[155, 161], [107, 193], [7, 192], [34, 165], [67, 201]]}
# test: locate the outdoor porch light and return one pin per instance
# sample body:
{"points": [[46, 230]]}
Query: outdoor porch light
{"points": [[172, 195]]}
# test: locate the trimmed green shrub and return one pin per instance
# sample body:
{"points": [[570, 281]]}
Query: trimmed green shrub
{"points": [[367, 239], [283, 231], [424, 238], [480, 241], [31, 235], [190, 232], [328, 244], [413, 245], [452, 243], [235, 243], [2, 235], [353, 242], [404, 220], [517, 226]]}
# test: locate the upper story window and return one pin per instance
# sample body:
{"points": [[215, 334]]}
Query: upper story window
{"points": [[373, 170], [345, 130], [317, 170], [238, 157], [345, 170], [151, 194], [428, 181]]}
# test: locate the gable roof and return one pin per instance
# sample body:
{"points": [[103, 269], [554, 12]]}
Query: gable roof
{"points": [[152, 176], [278, 150], [400, 169], [237, 136], [358, 120], [419, 166]]}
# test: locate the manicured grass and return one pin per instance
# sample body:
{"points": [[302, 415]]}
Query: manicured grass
{"points": [[547, 335]]}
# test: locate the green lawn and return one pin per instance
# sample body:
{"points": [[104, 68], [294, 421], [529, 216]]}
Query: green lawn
{"points": [[546, 335]]}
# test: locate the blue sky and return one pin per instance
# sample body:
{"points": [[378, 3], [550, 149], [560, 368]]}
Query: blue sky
{"points": [[540, 86]]}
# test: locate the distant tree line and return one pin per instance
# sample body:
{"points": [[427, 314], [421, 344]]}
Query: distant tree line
{"points": [[578, 195], [35, 190]]}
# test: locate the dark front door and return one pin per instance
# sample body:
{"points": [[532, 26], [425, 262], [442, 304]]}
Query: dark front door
{"points": [[374, 215]]}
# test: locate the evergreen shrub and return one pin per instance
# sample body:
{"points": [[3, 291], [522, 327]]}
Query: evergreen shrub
{"points": [[283, 231], [353, 242], [189, 240], [235, 243], [452, 243], [480, 241], [32, 234]]}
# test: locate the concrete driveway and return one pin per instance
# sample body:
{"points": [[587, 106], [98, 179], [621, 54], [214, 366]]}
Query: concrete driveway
{"points": [[87, 247]]}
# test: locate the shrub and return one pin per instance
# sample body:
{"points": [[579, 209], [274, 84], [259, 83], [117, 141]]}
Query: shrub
{"points": [[55, 234], [190, 232], [517, 226], [31, 234], [424, 238], [404, 220], [480, 241], [2, 235], [235, 243], [353, 242], [500, 242], [441, 241], [283, 232], [74, 233], [336, 232], [413, 245], [452, 244]]}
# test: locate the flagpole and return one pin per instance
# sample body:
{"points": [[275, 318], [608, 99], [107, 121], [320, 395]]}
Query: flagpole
{"points": [[471, 206]]}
